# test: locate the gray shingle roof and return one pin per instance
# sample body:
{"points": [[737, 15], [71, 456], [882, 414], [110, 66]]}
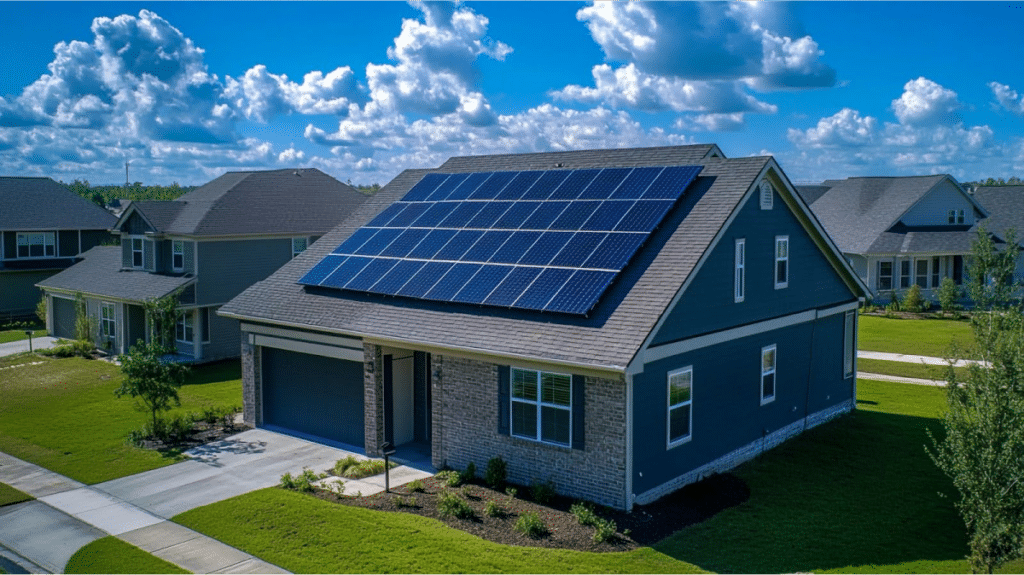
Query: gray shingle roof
{"points": [[43, 204], [292, 201], [918, 242], [609, 338], [1005, 205], [623, 157], [99, 274]]}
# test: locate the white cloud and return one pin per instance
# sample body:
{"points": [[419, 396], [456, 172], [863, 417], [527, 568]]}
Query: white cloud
{"points": [[261, 95], [844, 128], [1007, 98], [924, 102], [711, 122], [291, 156]]}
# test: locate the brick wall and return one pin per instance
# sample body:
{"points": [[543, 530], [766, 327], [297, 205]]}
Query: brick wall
{"points": [[373, 398], [465, 428], [252, 400]]}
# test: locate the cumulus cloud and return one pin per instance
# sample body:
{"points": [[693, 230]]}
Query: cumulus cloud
{"points": [[924, 102], [711, 122], [845, 128], [1007, 98], [261, 95]]}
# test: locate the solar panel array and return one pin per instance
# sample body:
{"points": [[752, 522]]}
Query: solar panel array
{"points": [[537, 240]]}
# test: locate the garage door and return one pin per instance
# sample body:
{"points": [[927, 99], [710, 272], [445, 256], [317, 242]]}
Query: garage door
{"points": [[64, 318], [312, 394]]}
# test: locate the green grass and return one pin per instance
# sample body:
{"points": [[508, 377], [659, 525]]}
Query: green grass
{"points": [[9, 335], [111, 555], [10, 495], [913, 336], [907, 369], [63, 415]]}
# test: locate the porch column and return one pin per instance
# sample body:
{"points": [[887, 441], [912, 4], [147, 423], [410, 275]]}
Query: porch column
{"points": [[197, 335]]}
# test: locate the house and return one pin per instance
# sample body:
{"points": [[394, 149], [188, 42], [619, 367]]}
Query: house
{"points": [[618, 322], [899, 231], [44, 228], [206, 246], [1005, 205]]}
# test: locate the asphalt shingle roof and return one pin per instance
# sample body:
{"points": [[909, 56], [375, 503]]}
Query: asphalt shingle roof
{"points": [[609, 338], [42, 204], [1005, 205], [99, 274]]}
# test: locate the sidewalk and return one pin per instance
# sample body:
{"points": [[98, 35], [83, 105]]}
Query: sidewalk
{"points": [[900, 379], [13, 347], [911, 358]]}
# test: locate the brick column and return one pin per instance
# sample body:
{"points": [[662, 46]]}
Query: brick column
{"points": [[373, 399]]}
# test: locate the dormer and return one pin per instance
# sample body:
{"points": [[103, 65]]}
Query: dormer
{"points": [[945, 205]]}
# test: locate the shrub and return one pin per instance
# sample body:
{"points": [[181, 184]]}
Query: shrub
{"points": [[449, 478], [511, 492], [405, 502], [449, 504], [362, 469], [469, 474], [604, 530], [496, 473], [70, 349], [584, 513], [949, 295], [415, 486], [531, 525], [336, 487], [542, 493], [303, 481], [342, 465], [913, 301], [492, 509]]}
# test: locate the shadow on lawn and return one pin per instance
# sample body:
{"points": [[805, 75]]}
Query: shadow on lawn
{"points": [[216, 372], [859, 491]]}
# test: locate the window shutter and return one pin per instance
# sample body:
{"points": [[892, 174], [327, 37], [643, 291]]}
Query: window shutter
{"points": [[578, 408], [504, 407], [149, 253], [126, 253]]}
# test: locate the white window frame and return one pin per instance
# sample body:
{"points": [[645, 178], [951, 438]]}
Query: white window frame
{"points": [[740, 276], [204, 317], [766, 195], [849, 333], [960, 217], [539, 404], [917, 272], [108, 320], [906, 273], [687, 403], [305, 245], [184, 327], [25, 239], [890, 275], [951, 217], [781, 259], [766, 371], [178, 252], [141, 251]]}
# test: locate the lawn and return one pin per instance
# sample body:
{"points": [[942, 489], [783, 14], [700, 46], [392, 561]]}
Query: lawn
{"points": [[913, 336], [62, 414], [9, 335], [10, 495], [111, 555], [907, 369]]}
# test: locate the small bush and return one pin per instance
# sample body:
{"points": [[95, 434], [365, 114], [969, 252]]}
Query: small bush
{"points": [[336, 487], [405, 502], [492, 509], [496, 473], [584, 513], [287, 481], [542, 493], [365, 468], [416, 486], [949, 295], [531, 525], [469, 474], [604, 530], [342, 465], [449, 504], [913, 301], [511, 492], [303, 481], [449, 478], [70, 349]]}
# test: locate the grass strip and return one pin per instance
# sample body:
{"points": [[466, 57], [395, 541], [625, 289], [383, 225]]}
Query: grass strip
{"points": [[907, 369], [9, 335], [111, 555], [10, 495], [931, 337]]}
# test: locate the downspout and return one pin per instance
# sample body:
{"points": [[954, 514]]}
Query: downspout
{"points": [[810, 370]]}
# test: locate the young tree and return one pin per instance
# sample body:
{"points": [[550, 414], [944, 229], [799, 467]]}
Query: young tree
{"points": [[991, 271], [163, 316], [151, 381]]}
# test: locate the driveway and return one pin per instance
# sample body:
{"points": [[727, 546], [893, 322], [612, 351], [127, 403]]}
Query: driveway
{"points": [[13, 347]]}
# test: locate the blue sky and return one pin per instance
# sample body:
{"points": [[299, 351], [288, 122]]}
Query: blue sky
{"points": [[187, 91]]}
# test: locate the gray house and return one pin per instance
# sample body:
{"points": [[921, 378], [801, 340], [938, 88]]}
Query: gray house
{"points": [[44, 228], [207, 246], [899, 231], [619, 322]]}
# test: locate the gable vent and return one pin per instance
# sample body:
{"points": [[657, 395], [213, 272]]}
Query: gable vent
{"points": [[766, 195]]}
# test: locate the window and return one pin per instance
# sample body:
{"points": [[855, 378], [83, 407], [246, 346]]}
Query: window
{"points": [[904, 274], [922, 273], [739, 289], [542, 406], [680, 402], [137, 253], [951, 216], [299, 245], [781, 261], [766, 196], [848, 344], [935, 272], [768, 374], [178, 255], [36, 245], [107, 324], [960, 217], [183, 330], [884, 275]]}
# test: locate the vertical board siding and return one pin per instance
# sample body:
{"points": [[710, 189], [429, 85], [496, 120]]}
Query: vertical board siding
{"points": [[226, 268]]}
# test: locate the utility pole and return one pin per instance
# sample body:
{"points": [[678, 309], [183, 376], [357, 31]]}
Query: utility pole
{"points": [[126, 162]]}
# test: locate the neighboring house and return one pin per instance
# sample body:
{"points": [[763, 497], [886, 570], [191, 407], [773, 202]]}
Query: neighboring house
{"points": [[207, 246], [899, 231], [44, 228], [606, 320], [1005, 205]]}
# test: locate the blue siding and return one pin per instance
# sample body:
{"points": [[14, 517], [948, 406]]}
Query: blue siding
{"points": [[727, 411], [708, 306]]}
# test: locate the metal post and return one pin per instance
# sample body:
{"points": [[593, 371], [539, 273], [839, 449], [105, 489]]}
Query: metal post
{"points": [[28, 332], [387, 450]]}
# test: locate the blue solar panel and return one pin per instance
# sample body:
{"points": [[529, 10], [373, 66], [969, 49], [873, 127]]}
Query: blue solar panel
{"points": [[387, 215], [615, 251], [371, 274], [491, 213], [458, 245], [494, 184], [579, 249], [468, 186], [513, 249], [545, 249], [573, 185], [644, 216], [574, 216], [636, 183], [546, 184], [419, 284], [345, 272], [452, 282], [460, 216], [323, 269], [407, 216], [518, 186], [404, 243], [424, 187], [378, 242], [671, 183], [486, 246], [514, 217], [509, 290], [581, 292], [396, 278], [482, 284], [606, 216], [446, 187], [604, 184], [433, 216], [357, 239], [546, 213], [431, 244], [543, 288]]}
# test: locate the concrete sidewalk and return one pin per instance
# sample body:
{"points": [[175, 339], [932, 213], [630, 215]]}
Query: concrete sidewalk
{"points": [[861, 354], [13, 347], [900, 379]]}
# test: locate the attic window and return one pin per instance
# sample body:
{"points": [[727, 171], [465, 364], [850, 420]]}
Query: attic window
{"points": [[956, 216], [766, 195]]}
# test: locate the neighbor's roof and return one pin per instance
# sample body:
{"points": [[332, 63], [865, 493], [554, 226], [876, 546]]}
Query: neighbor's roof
{"points": [[99, 274], [292, 201], [1005, 205], [608, 338], [28, 204]]}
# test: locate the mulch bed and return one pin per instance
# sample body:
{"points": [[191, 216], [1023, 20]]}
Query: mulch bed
{"points": [[202, 433], [645, 526]]}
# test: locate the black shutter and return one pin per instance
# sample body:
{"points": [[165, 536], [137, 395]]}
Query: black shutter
{"points": [[504, 416], [578, 408]]}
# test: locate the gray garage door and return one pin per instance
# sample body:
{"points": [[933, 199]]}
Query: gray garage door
{"points": [[63, 318], [311, 394]]}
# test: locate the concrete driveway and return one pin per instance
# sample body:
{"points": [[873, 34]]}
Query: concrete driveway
{"points": [[13, 347]]}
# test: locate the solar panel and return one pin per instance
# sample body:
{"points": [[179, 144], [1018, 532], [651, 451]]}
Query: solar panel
{"points": [[536, 240]]}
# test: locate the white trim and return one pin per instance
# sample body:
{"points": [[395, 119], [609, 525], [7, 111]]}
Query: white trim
{"points": [[629, 442], [175, 244], [670, 443], [337, 341], [773, 348], [540, 404], [781, 240], [187, 317], [849, 344], [307, 347], [739, 280], [79, 243], [838, 309], [49, 234]]}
